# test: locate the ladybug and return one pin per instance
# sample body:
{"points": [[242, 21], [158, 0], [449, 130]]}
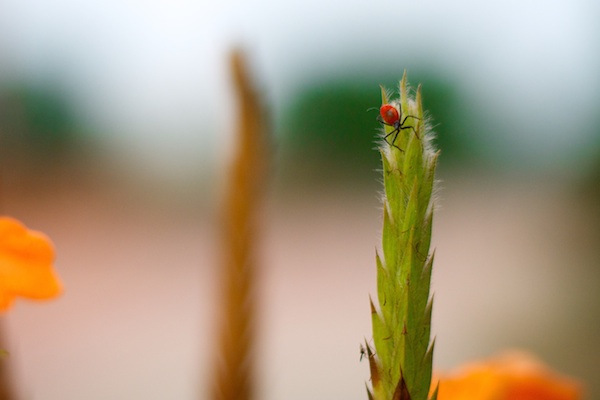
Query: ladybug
{"points": [[390, 116]]}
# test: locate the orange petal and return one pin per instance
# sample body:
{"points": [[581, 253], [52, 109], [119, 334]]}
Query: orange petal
{"points": [[512, 376], [26, 259]]}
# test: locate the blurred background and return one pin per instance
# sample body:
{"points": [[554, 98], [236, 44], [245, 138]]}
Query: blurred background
{"points": [[116, 130]]}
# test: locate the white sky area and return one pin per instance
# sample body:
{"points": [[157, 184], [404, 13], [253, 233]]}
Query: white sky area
{"points": [[153, 75]]}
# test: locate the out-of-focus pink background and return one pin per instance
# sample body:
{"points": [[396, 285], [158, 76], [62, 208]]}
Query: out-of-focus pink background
{"points": [[136, 319]]}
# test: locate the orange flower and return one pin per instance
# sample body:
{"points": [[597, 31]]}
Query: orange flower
{"points": [[512, 376], [25, 264]]}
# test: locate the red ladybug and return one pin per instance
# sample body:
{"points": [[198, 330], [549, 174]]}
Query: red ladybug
{"points": [[389, 114], [392, 117]]}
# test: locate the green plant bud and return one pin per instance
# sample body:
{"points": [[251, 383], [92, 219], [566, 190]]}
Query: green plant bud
{"points": [[401, 360]]}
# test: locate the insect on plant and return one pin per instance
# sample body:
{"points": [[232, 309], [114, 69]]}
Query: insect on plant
{"points": [[363, 352], [390, 116]]}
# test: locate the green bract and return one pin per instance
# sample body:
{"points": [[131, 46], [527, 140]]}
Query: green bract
{"points": [[401, 361]]}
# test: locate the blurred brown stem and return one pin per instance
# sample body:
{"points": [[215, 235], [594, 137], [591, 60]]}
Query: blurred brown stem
{"points": [[234, 369], [6, 384]]}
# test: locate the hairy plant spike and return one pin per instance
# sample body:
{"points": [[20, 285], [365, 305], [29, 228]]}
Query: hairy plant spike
{"points": [[402, 361]]}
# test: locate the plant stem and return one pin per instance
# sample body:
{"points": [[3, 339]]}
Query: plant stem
{"points": [[234, 369], [402, 359]]}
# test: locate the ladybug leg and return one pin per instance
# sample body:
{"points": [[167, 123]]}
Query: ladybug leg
{"points": [[394, 141], [397, 126], [395, 132], [389, 134], [413, 128], [410, 127], [409, 116]]}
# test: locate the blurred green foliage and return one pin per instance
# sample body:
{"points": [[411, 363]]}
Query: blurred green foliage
{"points": [[36, 123], [330, 131]]}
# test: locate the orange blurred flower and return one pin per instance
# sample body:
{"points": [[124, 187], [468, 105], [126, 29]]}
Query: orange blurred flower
{"points": [[512, 376], [26, 259]]}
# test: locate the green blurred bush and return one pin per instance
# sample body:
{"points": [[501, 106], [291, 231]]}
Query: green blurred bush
{"points": [[329, 132]]}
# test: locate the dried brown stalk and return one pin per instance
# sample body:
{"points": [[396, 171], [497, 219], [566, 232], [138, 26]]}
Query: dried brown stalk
{"points": [[234, 370], [6, 381]]}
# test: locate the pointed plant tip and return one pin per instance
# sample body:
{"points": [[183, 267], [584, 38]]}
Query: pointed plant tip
{"points": [[384, 95], [374, 369], [429, 354], [401, 391], [434, 395], [368, 349], [369, 393], [373, 309]]}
